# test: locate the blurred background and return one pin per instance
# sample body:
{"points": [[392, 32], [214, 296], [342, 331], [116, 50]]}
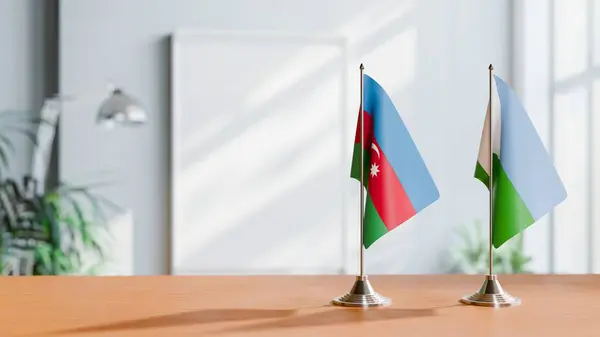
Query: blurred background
{"points": [[231, 151]]}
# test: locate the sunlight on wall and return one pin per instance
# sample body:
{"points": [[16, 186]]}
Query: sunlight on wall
{"points": [[393, 64], [309, 60], [374, 17], [265, 138], [571, 160], [258, 153], [570, 49], [371, 20], [268, 180]]}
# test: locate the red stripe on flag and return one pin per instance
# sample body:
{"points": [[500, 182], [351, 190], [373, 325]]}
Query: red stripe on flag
{"points": [[386, 191], [368, 130]]}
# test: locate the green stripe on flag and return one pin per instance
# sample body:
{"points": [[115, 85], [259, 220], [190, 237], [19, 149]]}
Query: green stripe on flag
{"points": [[481, 175], [355, 170], [511, 216], [374, 228]]}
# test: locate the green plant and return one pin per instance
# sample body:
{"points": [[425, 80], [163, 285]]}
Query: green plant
{"points": [[56, 232], [472, 256], [54, 227]]}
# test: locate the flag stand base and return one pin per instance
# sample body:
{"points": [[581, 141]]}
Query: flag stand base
{"points": [[361, 295], [491, 294]]}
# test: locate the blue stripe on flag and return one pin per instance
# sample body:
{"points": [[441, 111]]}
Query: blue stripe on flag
{"points": [[397, 145], [524, 158]]}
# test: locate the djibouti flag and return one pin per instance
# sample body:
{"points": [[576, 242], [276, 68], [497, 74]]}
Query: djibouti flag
{"points": [[526, 185]]}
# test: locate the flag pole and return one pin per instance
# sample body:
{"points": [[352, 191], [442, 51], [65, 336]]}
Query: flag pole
{"points": [[362, 293], [362, 174], [491, 293], [491, 181]]}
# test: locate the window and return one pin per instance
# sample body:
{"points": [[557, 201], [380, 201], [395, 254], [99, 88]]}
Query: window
{"points": [[556, 69]]}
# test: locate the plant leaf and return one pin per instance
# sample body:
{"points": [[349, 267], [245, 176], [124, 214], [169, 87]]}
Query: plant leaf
{"points": [[43, 255], [472, 256], [99, 250], [7, 142], [28, 133], [50, 213], [3, 158]]}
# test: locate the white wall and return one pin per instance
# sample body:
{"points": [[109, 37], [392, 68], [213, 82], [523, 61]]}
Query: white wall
{"points": [[431, 55], [23, 66]]}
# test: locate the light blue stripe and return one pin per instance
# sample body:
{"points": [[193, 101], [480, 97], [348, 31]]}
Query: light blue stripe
{"points": [[397, 145], [524, 157]]}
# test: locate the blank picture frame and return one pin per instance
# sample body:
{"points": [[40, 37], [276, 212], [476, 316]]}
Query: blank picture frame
{"points": [[260, 149]]}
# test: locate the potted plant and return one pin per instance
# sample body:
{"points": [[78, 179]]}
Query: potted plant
{"points": [[60, 231], [472, 255]]}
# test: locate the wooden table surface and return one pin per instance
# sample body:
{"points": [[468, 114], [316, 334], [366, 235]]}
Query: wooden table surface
{"points": [[169, 306]]}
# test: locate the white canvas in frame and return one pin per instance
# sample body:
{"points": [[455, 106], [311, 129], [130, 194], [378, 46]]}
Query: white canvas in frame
{"points": [[258, 154]]}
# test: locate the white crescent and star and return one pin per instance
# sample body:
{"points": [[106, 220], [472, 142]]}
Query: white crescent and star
{"points": [[374, 147], [374, 167]]}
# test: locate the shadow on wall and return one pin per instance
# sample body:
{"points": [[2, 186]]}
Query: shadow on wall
{"points": [[250, 184], [278, 203], [297, 178], [288, 159]]}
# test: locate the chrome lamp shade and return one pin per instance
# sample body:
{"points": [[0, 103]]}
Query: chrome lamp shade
{"points": [[121, 109]]}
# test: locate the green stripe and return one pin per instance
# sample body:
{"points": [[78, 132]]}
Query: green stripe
{"points": [[481, 175], [374, 228], [355, 170], [511, 216]]}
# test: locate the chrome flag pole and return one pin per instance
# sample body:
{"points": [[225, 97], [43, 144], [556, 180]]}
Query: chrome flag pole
{"points": [[362, 293], [491, 293]]}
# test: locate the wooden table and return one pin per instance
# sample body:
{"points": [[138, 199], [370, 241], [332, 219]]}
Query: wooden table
{"points": [[168, 306]]}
